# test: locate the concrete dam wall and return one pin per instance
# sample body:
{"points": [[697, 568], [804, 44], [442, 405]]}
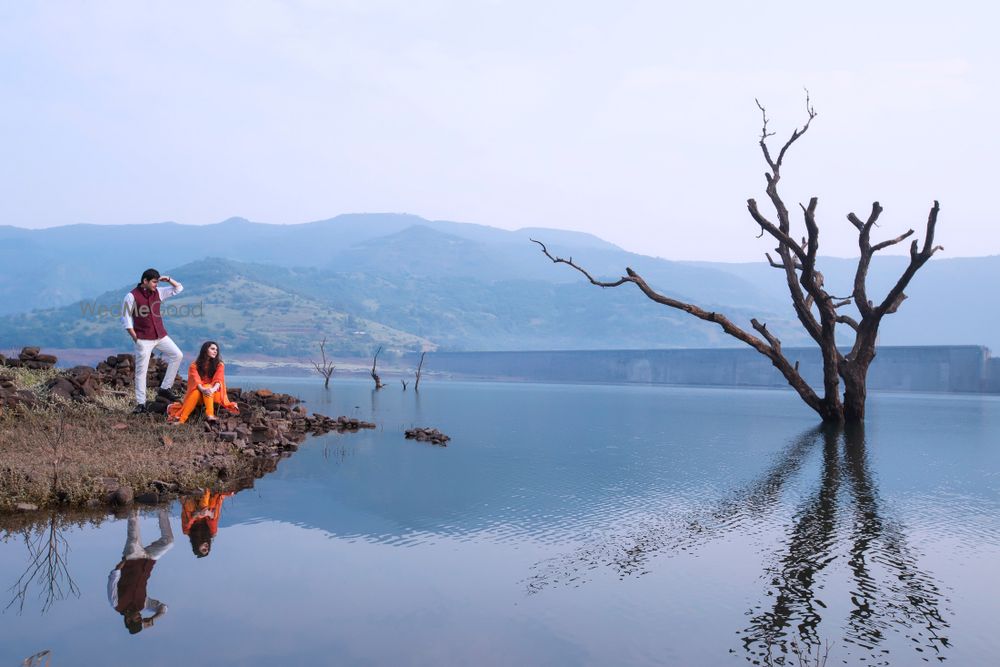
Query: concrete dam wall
{"points": [[960, 368]]}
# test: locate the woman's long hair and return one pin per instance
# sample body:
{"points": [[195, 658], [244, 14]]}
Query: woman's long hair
{"points": [[200, 534], [205, 364]]}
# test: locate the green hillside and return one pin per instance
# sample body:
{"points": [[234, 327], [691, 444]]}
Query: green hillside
{"points": [[407, 283], [285, 312], [221, 300]]}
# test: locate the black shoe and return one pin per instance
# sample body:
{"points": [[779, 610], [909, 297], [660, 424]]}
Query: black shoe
{"points": [[140, 409], [167, 394]]}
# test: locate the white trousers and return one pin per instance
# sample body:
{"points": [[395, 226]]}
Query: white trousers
{"points": [[133, 540], [171, 354]]}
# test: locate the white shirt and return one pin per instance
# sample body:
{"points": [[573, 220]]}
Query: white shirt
{"points": [[128, 305]]}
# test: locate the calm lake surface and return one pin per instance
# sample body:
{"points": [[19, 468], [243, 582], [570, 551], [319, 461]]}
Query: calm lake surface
{"points": [[563, 525]]}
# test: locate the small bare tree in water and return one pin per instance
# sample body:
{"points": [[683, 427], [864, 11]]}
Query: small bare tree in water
{"points": [[324, 367], [375, 376], [816, 309], [416, 386]]}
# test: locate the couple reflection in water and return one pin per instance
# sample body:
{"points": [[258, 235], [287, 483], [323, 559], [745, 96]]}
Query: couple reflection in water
{"points": [[128, 581], [842, 520]]}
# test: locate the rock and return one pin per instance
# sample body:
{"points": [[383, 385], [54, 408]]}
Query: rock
{"points": [[62, 388], [80, 372], [431, 435], [227, 436], [28, 352], [26, 507], [264, 393], [119, 426], [121, 496], [148, 498], [164, 487], [46, 358]]}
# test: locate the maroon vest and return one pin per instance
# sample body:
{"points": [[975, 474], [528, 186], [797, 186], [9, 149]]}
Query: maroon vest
{"points": [[132, 585], [146, 319]]}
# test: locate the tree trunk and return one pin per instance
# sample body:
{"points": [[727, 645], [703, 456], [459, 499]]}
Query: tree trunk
{"points": [[855, 392], [831, 411]]}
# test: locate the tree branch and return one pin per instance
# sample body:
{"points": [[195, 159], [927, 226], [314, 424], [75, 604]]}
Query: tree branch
{"points": [[885, 244], [771, 338], [569, 262], [864, 244], [799, 132], [918, 258], [848, 320], [779, 265], [776, 164], [771, 348], [781, 236]]}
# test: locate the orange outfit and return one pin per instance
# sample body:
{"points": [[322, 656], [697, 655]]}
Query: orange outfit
{"points": [[182, 410], [192, 510]]}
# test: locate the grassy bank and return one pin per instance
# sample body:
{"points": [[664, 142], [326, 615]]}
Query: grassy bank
{"points": [[92, 452], [78, 453]]}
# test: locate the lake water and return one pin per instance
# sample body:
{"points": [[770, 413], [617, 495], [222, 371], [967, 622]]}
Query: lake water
{"points": [[563, 525]]}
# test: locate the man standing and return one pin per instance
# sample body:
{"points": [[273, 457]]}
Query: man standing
{"points": [[127, 582], [141, 319]]}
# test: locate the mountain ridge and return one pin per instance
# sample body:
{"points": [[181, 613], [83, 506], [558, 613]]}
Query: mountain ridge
{"points": [[454, 286]]}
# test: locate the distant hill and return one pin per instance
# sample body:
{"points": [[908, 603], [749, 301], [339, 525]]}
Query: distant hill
{"points": [[221, 300], [59, 265], [285, 312], [407, 283]]}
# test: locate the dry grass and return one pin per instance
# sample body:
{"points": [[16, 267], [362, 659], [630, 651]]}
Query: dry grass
{"points": [[27, 378], [65, 451]]}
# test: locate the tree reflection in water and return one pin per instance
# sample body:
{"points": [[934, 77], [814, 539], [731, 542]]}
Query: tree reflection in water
{"points": [[47, 568], [843, 518], [889, 589]]}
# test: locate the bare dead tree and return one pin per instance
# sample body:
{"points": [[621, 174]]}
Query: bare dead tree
{"points": [[815, 307], [403, 382], [378, 380], [324, 367], [416, 385]]}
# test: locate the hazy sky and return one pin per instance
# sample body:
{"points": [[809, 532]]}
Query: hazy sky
{"points": [[634, 121]]}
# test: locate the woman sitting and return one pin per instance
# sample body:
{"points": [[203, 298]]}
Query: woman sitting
{"points": [[206, 383], [200, 519]]}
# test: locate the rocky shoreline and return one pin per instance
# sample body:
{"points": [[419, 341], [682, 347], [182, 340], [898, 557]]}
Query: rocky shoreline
{"points": [[226, 455]]}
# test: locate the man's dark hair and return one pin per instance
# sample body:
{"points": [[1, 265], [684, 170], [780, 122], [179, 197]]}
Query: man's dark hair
{"points": [[133, 621], [149, 274]]}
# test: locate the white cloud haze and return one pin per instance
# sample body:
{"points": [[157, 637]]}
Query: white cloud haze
{"points": [[634, 121]]}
